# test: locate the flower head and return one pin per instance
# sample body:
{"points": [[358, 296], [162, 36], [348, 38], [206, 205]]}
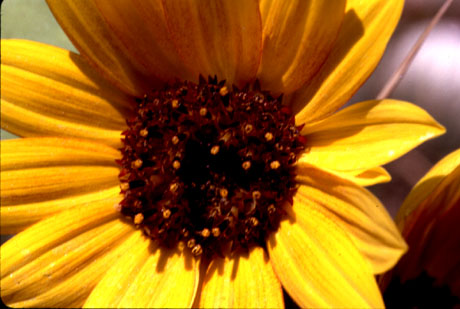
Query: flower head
{"points": [[428, 220], [201, 161]]}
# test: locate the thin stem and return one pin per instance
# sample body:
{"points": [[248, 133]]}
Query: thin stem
{"points": [[399, 73]]}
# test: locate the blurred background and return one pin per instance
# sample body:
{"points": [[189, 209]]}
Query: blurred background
{"points": [[432, 82]]}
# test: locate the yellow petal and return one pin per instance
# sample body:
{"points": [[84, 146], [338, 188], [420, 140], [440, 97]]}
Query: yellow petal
{"points": [[361, 41], [144, 40], [53, 266], [16, 218], [75, 287], [427, 185], [162, 279], [60, 84], [356, 211], [428, 220], [30, 244], [54, 151], [55, 87], [244, 281], [318, 265], [363, 178], [110, 290], [297, 37], [217, 37], [367, 135], [23, 122], [39, 184], [92, 36]]}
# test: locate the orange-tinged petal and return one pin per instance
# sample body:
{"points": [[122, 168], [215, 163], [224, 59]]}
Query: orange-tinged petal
{"points": [[92, 36], [222, 38], [54, 151], [361, 41], [165, 279], [429, 226], [39, 184], [427, 185], [318, 265], [356, 211], [367, 135], [16, 218], [243, 281], [30, 244], [141, 28], [75, 287], [297, 37]]}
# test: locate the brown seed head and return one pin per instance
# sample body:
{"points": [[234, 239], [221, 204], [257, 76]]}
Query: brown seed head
{"points": [[253, 221], [197, 250], [137, 163], [175, 140], [144, 132], [223, 192], [175, 103], [248, 128], [124, 186], [203, 111], [223, 91], [176, 164], [166, 213], [205, 233], [138, 218], [215, 149], [268, 136], [256, 194], [173, 187], [246, 165], [215, 231], [191, 243], [274, 165]]}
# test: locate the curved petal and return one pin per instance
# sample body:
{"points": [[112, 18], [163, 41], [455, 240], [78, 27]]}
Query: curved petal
{"points": [[73, 271], [141, 28], [148, 277], [53, 266], [90, 34], [54, 151], [355, 210], [55, 84], [222, 38], [431, 226], [241, 282], [363, 178], [16, 218], [318, 265], [427, 185], [297, 37], [37, 154], [52, 232], [367, 135], [161, 279], [365, 31], [40, 184], [23, 122]]}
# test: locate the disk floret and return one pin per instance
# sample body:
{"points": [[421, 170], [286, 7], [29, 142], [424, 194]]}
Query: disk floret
{"points": [[209, 166]]}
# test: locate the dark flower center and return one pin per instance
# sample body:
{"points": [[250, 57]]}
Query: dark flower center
{"points": [[208, 166]]}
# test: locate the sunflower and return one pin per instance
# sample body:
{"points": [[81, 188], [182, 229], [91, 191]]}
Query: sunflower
{"points": [[428, 220], [280, 173]]}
